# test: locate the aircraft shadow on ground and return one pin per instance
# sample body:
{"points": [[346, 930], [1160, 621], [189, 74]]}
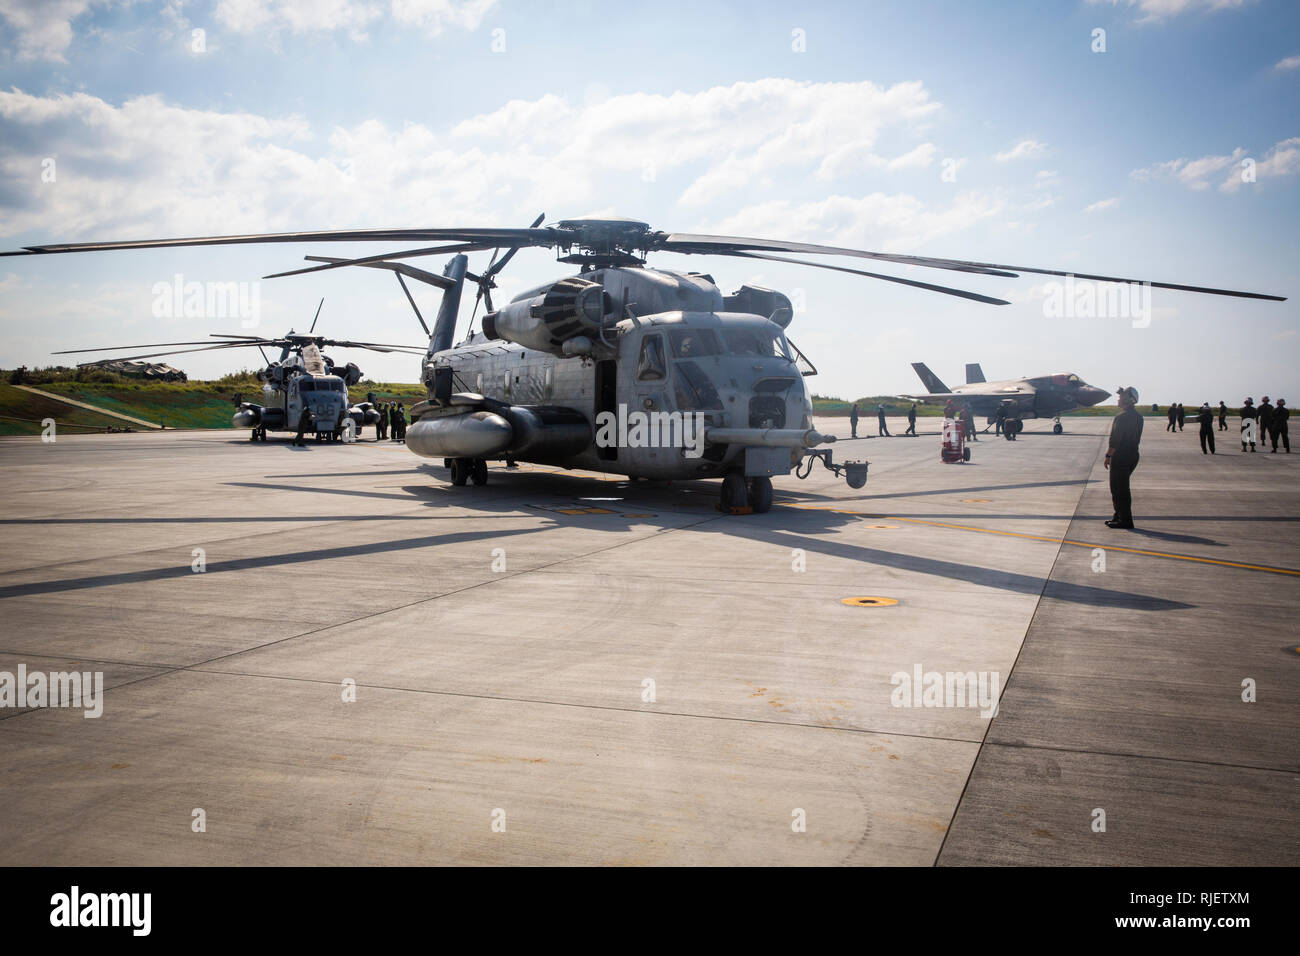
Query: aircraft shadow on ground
{"points": [[815, 531]]}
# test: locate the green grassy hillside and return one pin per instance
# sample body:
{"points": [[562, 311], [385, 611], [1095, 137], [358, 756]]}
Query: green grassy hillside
{"points": [[21, 413]]}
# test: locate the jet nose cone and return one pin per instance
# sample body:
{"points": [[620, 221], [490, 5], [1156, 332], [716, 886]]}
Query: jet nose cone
{"points": [[1092, 394]]}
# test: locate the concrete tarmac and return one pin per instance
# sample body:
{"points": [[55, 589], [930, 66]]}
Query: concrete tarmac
{"points": [[564, 669]]}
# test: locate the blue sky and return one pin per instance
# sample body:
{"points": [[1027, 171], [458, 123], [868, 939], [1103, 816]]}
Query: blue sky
{"points": [[693, 117]]}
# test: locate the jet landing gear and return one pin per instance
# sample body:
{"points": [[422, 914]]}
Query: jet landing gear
{"points": [[1057, 428], [464, 470], [741, 495]]}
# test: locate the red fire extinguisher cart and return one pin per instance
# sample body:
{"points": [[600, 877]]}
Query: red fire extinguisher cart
{"points": [[954, 441]]}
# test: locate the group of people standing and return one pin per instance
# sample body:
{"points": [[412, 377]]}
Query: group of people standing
{"points": [[882, 429], [392, 420], [1258, 425]]}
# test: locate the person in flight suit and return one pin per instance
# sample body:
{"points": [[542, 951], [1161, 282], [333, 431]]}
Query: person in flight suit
{"points": [[399, 423], [853, 419], [304, 426], [1265, 420], [883, 429], [911, 421], [1279, 430], [381, 426], [1206, 417], [1122, 457], [1223, 416], [968, 420], [1173, 417], [1182, 416], [1248, 416]]}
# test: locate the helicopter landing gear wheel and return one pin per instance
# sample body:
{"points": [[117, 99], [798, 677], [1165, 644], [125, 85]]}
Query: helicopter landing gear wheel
{"points": [[261, 433], [734, 494], [253, 436], [1057, 429], [760, 495], [460, 469], [478, 471]]}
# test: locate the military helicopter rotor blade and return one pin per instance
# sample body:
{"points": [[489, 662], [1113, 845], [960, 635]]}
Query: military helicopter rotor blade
{"points": [[681, 242], [384, 257], [373, 346], [144, 345], [946, 290], [489, 237], [132, 358]]}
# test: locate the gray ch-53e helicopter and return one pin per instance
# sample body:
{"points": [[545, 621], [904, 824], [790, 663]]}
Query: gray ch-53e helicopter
{"points": [[621, 368], [302, 390]]}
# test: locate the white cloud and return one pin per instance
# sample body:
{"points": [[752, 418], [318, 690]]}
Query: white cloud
{"points": [[1101, 204], [1281, 159], [1156, 10], [1025, 149], [44, 27], [891, 223], [150, 168], [1289, 63], [297, 16], [1192, 173]]}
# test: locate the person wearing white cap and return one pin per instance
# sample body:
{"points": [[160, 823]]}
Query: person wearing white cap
{"points": [[1122, 457]]}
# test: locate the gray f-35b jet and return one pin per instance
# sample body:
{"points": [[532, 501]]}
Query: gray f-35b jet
{"points": [[1044, 396]]}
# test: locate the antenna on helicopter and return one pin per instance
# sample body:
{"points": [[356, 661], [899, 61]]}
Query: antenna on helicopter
{"points": [[317, 316]]}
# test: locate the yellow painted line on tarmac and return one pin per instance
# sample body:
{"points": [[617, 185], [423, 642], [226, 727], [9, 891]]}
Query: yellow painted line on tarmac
{"points": [[1051, 540]]}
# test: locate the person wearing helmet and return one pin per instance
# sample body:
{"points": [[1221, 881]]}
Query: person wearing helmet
{"points": [[1248, 418], [1206, 419], [1122, 457], [1281, 415]]}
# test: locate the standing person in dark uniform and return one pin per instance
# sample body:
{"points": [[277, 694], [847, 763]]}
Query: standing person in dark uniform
{"points": [[911, 421], [399, 428], [1182, 416], [968, 419], [1122, 457], [381, 426], [1265, 421], [1248, 422], [883, 429], [1206, 417], [853, 419], [949, 409], [1281, 414], [1223, 416], [304, 425], [1173, 417]]}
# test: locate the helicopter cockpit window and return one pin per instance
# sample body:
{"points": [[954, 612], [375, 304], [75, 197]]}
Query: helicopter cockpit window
{"points": [[651, 365], [692, 388], [693, 343], [306, 385], [756, 343]]}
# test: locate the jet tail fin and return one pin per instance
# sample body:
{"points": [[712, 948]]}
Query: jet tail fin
{"points": [[929, 379], [974, 374]]}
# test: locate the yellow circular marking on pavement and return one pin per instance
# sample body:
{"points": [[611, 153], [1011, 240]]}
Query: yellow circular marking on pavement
{"points": [[869, 601]]}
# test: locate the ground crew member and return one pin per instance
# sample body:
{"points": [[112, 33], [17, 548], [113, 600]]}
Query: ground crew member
{"points": [[1280, 429], [381, 427], [1173, 416], [968, 420], [1182, 415], [883, 429], [1265, 421], [1248, 416], [304, 424], [999, 419], [1206, 417], [853, 419], [399, 423], [1122, 457], [1223, 416], [911, 421]]}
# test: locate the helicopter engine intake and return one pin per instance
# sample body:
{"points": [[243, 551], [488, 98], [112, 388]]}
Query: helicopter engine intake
{"points": [[571, 308]]}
